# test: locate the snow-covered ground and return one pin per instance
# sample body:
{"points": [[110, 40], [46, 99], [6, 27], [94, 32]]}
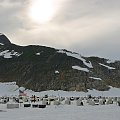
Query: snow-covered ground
{"points": [[113, 92], [63, 112], [59, 112], [11, 89]]}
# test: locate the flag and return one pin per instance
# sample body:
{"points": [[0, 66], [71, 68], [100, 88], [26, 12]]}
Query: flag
{"points": [[21, 93]]}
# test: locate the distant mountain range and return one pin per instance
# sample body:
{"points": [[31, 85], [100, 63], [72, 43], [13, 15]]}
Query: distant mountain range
{"points": [[43, 68]]}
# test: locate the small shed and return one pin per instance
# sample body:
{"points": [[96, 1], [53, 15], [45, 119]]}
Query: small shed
{"points": [[102, 102], [109, 101], [79, 103], [68, 102], [91, 103], [56, 102], [12, 105]]}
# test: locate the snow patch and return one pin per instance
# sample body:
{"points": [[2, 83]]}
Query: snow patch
{"points": [[37, 53], [9, 54], [22, 88], [57, 72], [110, 61], [111, 68], [80, 68], [78, 56], [8, 88], [1, 44], [95, 78]]}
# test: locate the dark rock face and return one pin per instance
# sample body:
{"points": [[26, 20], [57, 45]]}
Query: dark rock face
{"points": [[43, 68], [4, 40]]}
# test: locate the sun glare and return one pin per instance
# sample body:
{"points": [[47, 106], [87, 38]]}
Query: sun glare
{"points": [[42, 11]]}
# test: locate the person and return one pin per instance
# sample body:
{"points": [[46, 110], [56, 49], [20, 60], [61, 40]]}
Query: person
{"points": [[33, 98], [118, 103]]}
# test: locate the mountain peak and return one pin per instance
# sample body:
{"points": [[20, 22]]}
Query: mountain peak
{"points": [[1, 34], [4, 40]]}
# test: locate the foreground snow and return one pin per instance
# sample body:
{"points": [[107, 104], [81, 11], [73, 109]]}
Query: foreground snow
{"points": [[60, 112], [63, 112]]}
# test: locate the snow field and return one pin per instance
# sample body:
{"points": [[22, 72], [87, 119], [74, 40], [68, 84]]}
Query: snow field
{"points": [[63, 112], [60, 112]]}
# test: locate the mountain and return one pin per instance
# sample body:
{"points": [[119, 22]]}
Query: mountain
{"points": [[4, 40], [43, 68]]}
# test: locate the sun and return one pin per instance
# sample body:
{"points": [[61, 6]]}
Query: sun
{"points": [[42, 11]]}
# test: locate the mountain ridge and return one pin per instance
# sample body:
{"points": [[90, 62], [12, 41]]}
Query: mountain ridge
{"points": [[44, 68], [4, 39]]}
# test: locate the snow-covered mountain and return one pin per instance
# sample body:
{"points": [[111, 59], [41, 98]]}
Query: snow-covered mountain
{"points": [[42, 68]]}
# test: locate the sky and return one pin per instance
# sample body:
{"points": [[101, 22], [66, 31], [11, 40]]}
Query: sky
{"points": [[89, 27]]}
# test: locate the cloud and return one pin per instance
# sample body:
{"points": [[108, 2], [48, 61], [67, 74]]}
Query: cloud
{"points": [[10, 10], [88, 27]]}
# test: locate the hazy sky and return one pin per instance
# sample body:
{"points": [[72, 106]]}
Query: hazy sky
{"points": [[90, 27]]}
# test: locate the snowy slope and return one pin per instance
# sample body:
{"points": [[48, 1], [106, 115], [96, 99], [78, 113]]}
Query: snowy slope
{"points": [[111, 61], [78, 56], [9, 89], [110, 68]]}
